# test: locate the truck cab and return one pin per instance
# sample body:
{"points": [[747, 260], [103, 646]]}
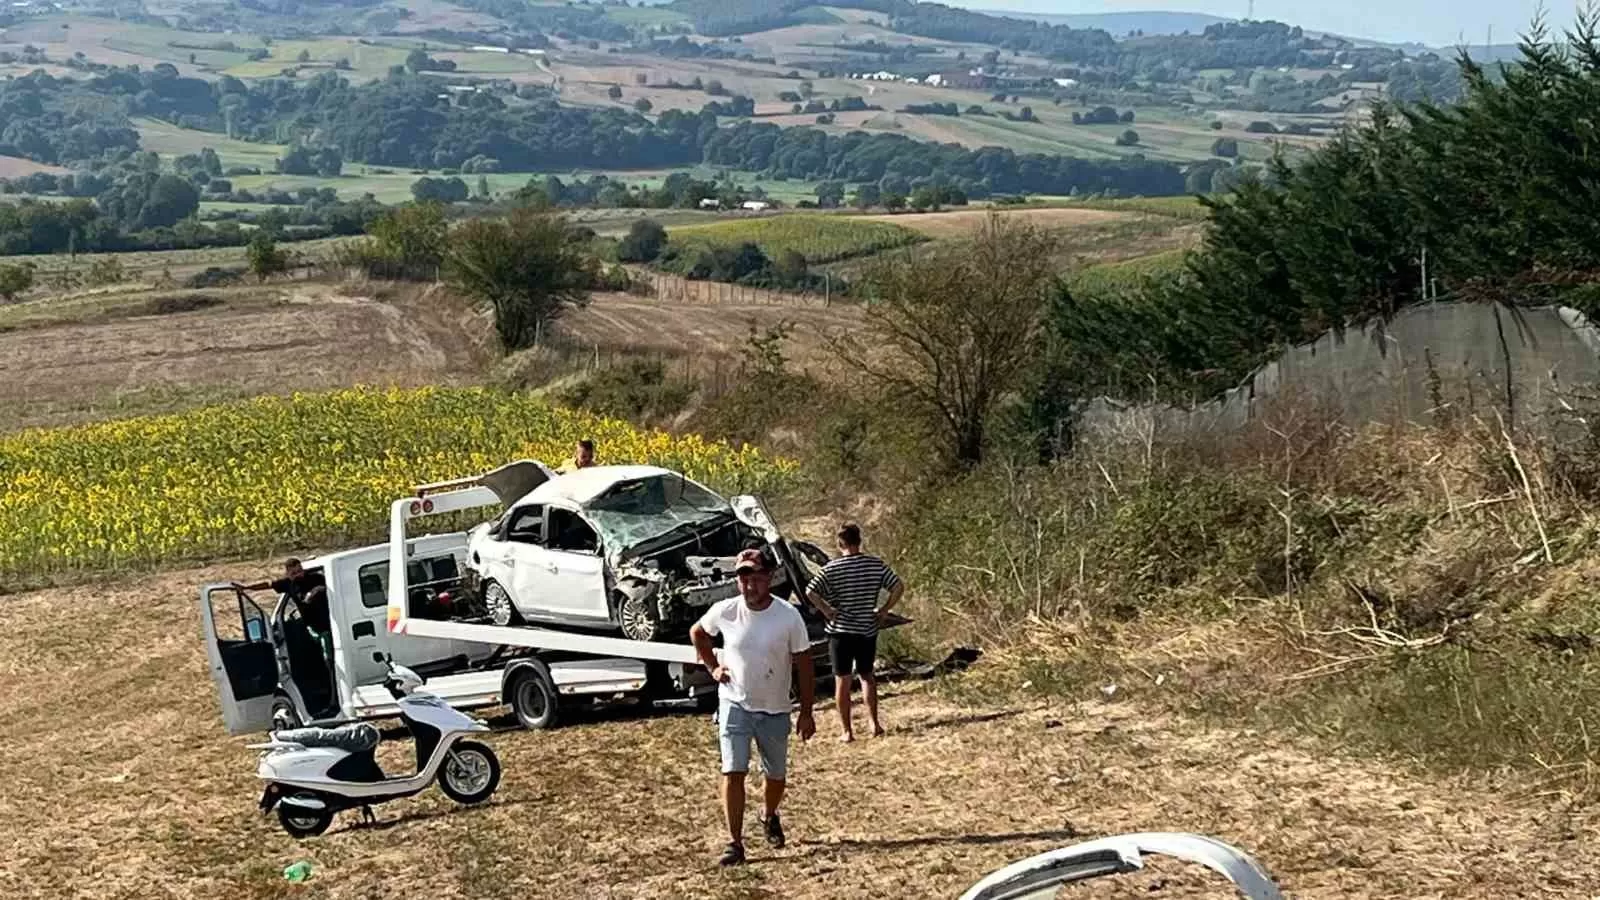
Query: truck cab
{"points": [[270, 669]]}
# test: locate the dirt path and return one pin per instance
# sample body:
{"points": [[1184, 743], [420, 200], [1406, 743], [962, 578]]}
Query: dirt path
{"points": [[119, 783]]}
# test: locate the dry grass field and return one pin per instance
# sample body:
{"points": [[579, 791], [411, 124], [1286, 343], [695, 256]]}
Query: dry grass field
{"points": [[151, 350], [137, 351], [121, 784], [960, 223]]}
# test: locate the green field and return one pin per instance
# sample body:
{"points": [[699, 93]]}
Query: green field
{"points": [[1111, 279], [1186, 207], [171, 140], [819, 238], [645, 16]]}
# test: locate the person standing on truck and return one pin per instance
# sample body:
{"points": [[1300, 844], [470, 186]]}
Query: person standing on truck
{"points": [[309, 591], [764, 642], [846, 592], [582, 458]]}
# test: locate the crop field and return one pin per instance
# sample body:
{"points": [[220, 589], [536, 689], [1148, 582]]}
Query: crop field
{"points": [[308, 468], [173, 140], [17, 167], [1188, 208], [366, 60], [645, 16], [818, 238], [961, 222], [1112, 278]]}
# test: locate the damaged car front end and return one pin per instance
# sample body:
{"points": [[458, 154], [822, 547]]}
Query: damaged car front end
{"points": [[666, 581]]}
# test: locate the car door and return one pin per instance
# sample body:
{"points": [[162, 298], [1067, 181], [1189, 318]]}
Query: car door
{"points": [[556, 579], [573, 569], [241, 656]]}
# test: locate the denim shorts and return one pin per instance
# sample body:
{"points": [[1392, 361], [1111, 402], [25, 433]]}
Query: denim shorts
{"points": [[737, 726]]}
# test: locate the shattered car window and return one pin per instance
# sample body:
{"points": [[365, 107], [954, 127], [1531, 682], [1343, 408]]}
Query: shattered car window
{"points": [[633, 512]]}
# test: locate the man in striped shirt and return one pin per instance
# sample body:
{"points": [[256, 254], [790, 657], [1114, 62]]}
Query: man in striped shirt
{"points": [[846, 592]]}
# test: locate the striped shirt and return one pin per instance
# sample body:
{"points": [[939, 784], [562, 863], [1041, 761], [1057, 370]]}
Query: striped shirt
{"points": [[851, 585]]}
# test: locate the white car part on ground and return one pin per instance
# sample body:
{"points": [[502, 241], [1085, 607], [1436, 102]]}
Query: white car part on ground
{"points": [[1038, 877]]}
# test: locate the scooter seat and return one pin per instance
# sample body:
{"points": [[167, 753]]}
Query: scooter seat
{"points": [[357, 737]]}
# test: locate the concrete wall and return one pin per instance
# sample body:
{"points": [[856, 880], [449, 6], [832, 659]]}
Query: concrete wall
{"points": [[1480, 358]]}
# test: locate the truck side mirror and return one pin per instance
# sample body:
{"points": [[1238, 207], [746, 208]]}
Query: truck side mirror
{"points": [[377, 657]]}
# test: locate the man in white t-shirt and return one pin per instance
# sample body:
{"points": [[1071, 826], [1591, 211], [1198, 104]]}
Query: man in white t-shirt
{"points": [[763, 642]]}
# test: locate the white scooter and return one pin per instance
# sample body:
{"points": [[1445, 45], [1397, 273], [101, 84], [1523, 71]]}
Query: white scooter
{"points": [[313, 773]]}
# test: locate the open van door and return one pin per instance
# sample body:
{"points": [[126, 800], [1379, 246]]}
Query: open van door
{"points": [[242, 658]]}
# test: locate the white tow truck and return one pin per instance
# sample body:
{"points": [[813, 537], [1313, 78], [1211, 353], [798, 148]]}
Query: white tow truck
{"points": [[409, 599]]}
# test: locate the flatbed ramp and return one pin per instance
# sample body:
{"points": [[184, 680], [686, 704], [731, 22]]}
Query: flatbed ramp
{"points": [[401, 621]]}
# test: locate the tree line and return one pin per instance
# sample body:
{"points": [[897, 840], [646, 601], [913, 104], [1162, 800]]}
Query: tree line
{"points": [[402, 121], [1495, 196]]}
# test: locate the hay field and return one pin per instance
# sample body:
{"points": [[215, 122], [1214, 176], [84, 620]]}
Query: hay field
{"points": [[120, 783]]}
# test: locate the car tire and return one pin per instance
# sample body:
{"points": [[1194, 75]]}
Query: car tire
{"points": [[533, 699], [638, 617], [284, 716], [499, 606]]}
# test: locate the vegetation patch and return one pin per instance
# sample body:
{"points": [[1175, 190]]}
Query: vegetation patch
{"points": [[817, 238], [276, 472]]}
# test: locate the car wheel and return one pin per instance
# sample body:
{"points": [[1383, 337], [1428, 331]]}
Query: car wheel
{"points": [[284, 716], [638, 617], [533, 698], [497, 603]]}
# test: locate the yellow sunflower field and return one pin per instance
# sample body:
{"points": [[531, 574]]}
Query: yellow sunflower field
{"points": [[311, 469]]}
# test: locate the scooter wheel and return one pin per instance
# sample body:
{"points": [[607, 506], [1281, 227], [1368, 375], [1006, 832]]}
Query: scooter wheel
{"points": [[470, 773], [302, 823]]}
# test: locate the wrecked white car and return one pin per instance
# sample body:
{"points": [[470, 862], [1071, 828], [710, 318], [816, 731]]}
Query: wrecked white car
{"points": [[1042, 876], [636, 549]]}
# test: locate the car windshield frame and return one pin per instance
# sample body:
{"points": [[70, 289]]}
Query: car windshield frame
{"points": [[630, 514]]}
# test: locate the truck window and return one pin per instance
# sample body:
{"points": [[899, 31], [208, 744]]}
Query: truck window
{"points": [[437, 572]]}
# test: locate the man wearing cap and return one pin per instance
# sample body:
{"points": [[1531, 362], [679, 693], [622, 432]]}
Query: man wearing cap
{"points": [[764, 642]]}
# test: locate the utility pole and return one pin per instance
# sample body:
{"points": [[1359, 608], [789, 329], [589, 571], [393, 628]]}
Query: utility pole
{"points": [[1250, 13]]}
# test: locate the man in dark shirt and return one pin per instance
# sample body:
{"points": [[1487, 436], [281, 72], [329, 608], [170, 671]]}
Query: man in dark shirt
{"points": [[847, 592], [309, 591]]}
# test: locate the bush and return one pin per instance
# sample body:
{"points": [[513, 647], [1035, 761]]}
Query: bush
{"points": [[14, 280], [526, 268], [105, 271], [643, 243], [266, 259], [214, 276], [407, 242], [638, 390]]}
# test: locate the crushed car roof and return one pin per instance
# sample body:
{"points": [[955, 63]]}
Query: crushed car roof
{"points": [[579, 487]]}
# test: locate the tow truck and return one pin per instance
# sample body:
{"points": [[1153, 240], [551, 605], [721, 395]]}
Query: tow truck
{"points": [[409, 599]]}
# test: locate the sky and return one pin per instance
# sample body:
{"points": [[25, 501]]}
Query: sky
{"points": [[1437, 23]]}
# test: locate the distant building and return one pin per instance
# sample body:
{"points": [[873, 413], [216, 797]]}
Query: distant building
{"points": [[1065, 82], [968, 79], [710, 203], [757, 205]]}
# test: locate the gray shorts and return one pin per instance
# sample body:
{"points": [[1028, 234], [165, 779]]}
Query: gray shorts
{"points": [[737, 727]]}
